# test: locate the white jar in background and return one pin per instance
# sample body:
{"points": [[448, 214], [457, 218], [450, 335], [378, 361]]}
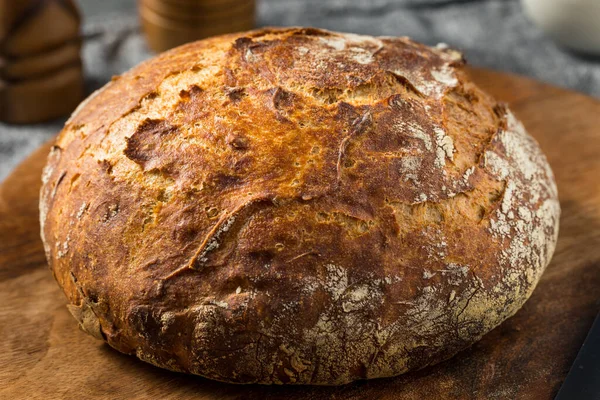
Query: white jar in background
{"points": [[572, 23]]}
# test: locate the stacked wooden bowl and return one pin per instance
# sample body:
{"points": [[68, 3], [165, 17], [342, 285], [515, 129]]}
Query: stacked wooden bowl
{"points": [[170, 23], [41, 75]]}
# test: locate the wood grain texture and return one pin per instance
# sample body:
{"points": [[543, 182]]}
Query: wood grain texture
{"points": [[43, 355]]}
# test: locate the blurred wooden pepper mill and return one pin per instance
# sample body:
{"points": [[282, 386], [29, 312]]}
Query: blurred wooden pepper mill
{"points": [[41, 75], [170, 23]]}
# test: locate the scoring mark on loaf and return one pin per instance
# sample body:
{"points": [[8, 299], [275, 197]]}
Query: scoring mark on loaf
{"points": [[144, 146], [358, 126], [215, 240], [211, 242]]}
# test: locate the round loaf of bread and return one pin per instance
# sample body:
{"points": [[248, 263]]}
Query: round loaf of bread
{"points": [[296, 206]]}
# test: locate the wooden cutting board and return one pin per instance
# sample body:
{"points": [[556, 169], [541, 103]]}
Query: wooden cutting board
{"points": [[44, 355]]}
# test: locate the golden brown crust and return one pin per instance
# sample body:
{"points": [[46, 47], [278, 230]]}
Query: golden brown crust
{"points": [[296, 206]]}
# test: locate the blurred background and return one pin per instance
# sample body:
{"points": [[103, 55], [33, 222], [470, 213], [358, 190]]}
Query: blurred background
{"points": [[497, 34]]}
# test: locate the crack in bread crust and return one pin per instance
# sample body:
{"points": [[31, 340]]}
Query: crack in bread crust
{"points": [[296, 206]]}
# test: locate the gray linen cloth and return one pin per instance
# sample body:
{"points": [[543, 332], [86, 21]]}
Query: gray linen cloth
{"points": [[492, 33]]}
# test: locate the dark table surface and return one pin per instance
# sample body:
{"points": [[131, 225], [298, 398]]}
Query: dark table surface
{"points": [[492, 33]]}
